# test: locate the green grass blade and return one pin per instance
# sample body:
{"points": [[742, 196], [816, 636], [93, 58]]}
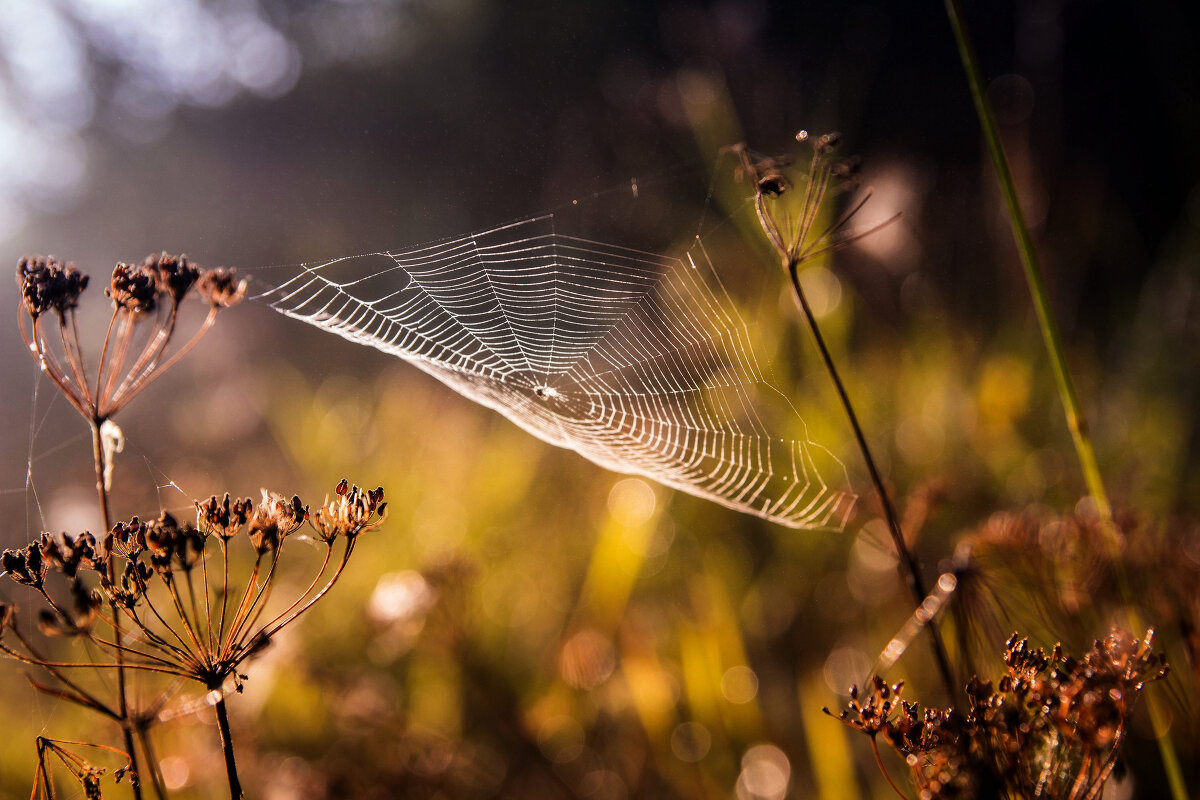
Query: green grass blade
{"points": [[1062, 375]]}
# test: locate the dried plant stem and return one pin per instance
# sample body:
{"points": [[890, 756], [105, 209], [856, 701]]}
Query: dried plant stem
{"points": [[235, 785], [156, 778], [887, 777], [35, 659], [132, 388], [122, 689], [909, 564], [280, 622], [1076, 421]]}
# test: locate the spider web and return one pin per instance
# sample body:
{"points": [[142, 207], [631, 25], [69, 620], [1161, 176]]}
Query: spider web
{"points": [[629, 358]]}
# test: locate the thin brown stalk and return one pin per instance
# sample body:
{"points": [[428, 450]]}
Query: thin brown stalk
{"points": [[1082, 779], [208, 620], [224, 590], [104, 355], [157, 641], [95, 665], [1096, 788], [311, 586], [49, 364], [156, 778], [112, 647], [195, 608], [252, 611], [151, 351], [235, 785], [43, 771], [908, 561], [801, 247], [181, 612], [271, 630], [242, 608], [886, 776], [35, 659], [116, 361], [134, 391], [72, 354], [186, 653], [83, 700]]}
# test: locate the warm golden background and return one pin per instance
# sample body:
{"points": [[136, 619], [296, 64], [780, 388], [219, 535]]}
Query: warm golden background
{"points": [[527, 624]]}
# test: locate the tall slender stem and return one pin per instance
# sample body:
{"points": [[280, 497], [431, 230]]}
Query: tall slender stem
{"points": [[910, 567], [122, 690], [156, 778], [1076, 421], [235, 785], [101, 489], [1062, 374], [886, 776]]}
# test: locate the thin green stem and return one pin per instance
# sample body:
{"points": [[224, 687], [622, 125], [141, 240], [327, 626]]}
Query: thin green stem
{"points": [[1062, 375], [1076, 421]]}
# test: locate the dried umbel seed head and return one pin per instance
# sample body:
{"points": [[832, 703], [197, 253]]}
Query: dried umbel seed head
{"points": [[134, 289], [1127, 660], [126, 539], [174, 274], [827, 142], [220, 287], [161, 535], [68, 554], [773, 184], [352, 512], [1022, 660], [76, 622], [25, 566], [132, 585], [1052, 722], [172, 545], [274, 519], [49, 284], [223, 517], [872, 713]]}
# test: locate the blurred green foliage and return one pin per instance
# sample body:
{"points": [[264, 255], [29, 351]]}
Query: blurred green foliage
{"points": [[529, 625]]}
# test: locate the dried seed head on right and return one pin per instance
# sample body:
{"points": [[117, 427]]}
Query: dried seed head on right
{"points": [[353, 511], [220, 287]]}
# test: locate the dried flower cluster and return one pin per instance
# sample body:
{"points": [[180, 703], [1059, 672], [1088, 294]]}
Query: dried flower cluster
{"points": [[145, 298], [169, 584], [153, 596], [1041, 562], [83, 771], [162, 577], [788, 217], [1051, 727]]}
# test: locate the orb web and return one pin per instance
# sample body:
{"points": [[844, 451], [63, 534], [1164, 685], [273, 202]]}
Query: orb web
{"points": [[632, 359]]}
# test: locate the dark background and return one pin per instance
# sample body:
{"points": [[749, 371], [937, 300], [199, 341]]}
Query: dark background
{"points": [[398, 122]]}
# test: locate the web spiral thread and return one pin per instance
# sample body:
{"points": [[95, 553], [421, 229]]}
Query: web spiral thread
{"points": [[629, 358]]}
